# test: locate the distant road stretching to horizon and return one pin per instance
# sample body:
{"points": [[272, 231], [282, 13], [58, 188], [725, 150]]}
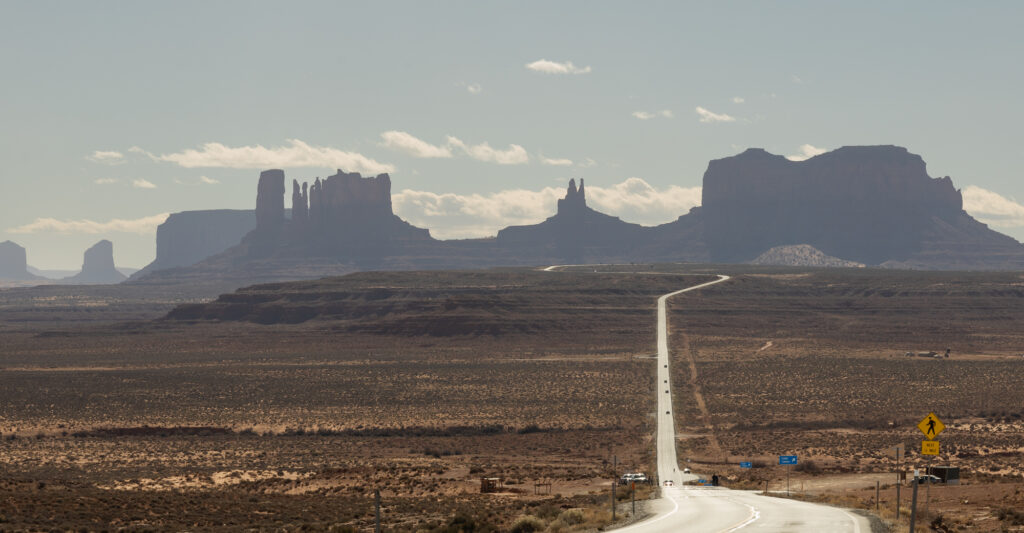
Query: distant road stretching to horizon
{"points": [[718, 509]]}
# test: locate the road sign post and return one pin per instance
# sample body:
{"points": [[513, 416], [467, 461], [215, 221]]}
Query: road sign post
{"points": [[789, 460], [376, 510], [632, 495], [613, 499], [913, 504]]}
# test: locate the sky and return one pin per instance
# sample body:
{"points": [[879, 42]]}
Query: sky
{"points": [[114, 114]]}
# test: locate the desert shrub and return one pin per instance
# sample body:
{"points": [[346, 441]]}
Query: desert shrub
{"points": [[1013, 516], [557, 526], [572, 516], [546, 511], [527, 524], [808, 466]]}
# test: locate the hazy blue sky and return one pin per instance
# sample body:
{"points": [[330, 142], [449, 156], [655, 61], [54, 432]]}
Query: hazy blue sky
{"points": [[114, 113]]}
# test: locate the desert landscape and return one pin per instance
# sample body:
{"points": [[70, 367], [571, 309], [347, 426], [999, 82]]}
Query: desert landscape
{"points": [[286, 405]]}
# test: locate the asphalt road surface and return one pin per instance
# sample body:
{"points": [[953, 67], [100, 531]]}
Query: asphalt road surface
{"points": [[718, 509]]}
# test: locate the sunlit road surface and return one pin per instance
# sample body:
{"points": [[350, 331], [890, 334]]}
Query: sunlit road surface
{"points": [[717, 509]]}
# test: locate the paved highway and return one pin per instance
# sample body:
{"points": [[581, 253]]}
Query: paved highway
{"points": [[717, 509]]}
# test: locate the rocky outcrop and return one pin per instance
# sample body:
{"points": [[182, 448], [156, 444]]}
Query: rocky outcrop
{"points": [[98, 266], [190, 236], [13, 264], [869, 204], [802, 255], [344, 215], [575, 233], [270, 201]]}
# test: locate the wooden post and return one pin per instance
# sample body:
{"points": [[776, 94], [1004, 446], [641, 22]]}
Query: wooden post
{"points": [[878, 488], [376, 512], [898, 485], [913, 506], [788, 469], [766, 487], [613, 499], [632, 495]]}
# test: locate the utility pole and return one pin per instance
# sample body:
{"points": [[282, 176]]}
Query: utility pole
{"points": [[878, 488], [376, 501]]}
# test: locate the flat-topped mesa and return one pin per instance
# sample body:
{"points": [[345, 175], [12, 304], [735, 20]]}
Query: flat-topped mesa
{"points": [[13, 262], [575, 200], [347, 197], [868, 204]]}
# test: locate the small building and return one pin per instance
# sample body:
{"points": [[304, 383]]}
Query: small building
{"points": [[949, 475], [491, 484]]}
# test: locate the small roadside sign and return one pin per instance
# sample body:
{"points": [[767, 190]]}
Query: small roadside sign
{"points": [[702, 481], [929, 447], [746, 464], [787, 459], [931, 426]]}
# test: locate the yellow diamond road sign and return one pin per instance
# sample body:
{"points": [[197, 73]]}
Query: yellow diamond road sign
{"points": [[929, 447], [931, 426]]}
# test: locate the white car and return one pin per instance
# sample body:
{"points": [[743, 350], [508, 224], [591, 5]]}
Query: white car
{"points": [[668, 483], [686, 470]]}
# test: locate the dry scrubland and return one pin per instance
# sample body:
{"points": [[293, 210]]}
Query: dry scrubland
{"points": [[812, 363], [285, 405]]}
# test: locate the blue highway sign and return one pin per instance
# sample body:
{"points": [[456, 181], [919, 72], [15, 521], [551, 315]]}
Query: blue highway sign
{"points": [[787, 459], [746, 465]]}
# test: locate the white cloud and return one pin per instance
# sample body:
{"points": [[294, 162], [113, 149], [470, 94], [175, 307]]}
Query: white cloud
{"points": [[141, 226], [416, 147], [296, 154], [555, 162], [806, 152], [587, 163], [403, 142], [738, 100], [993, 208], [453, 216], [647, 115], [208, 180], [107, 158], [552, 67], [708, 116], [143, 184], [474, 88], [513, 155], [104, 181]]}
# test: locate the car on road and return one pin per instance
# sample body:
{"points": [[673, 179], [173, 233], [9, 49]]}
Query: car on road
{"points": [[928, 479], [635, 477], [686, 470], [668, 483]]}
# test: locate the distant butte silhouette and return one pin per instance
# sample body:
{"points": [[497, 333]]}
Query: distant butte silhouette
{"points": [[98, 266], [874, 205], [13, 264]]}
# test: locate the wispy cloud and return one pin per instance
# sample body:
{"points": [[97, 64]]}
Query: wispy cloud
{"points": [[555, 162], [141, 226], [993, 208], [143, 184], [416, 147], [806, 152], [106, 158], [708, 116], [104, 181], [208, 180], [474, 88], [553, 67], [513, 155], [450, 215], [295, 154], [404, 142], [648, 115], [738, 100]]}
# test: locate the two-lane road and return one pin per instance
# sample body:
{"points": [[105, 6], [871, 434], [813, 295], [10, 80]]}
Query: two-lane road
{"points": [[706, 509]]}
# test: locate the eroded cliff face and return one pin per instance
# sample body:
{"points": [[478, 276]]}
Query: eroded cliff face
{"points": [[868, 204], [190, 236]]}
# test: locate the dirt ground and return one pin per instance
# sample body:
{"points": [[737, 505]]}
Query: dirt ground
{"points": [[285, 406]]}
